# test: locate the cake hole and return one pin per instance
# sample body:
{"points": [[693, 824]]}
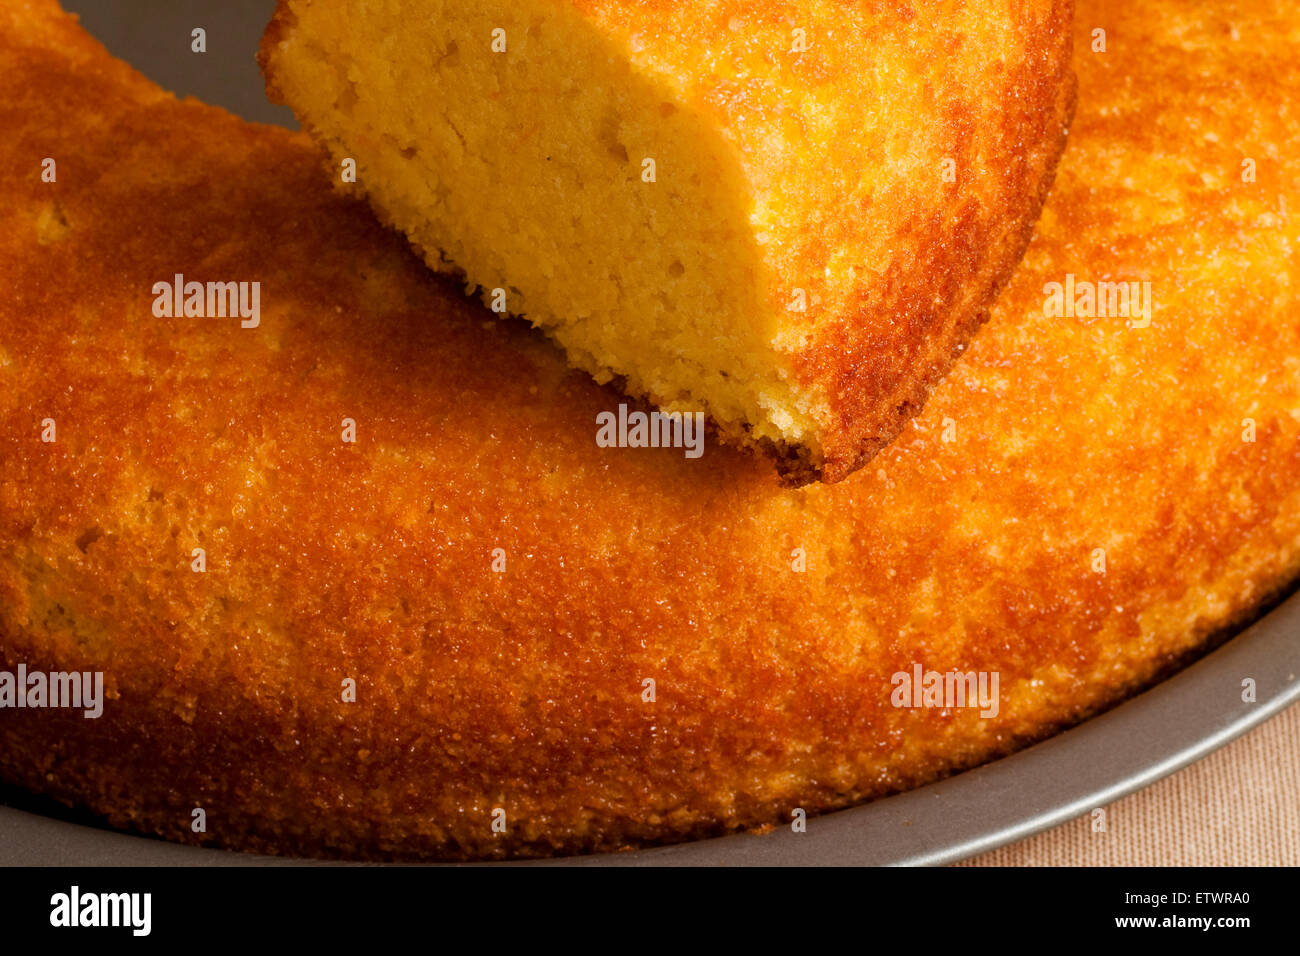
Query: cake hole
{"points": [[676, 270], [51, 225], [347, 98], [89, 537], [608, 134]]}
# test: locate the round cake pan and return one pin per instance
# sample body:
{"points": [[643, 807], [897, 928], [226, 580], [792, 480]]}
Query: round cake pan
{"points": [[1149, 736]]}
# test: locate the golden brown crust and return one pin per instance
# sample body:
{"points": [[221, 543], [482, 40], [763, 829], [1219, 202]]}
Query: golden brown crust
{"points": [[944, 302], [276, 32], [950, 262], [523, 689]]}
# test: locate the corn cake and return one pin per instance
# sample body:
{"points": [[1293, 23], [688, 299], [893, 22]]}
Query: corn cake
{"points": [[469, 632], [791, 216]]}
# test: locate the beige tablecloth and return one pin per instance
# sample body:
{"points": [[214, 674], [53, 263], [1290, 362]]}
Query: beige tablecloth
{"points": [[1240, 806]]}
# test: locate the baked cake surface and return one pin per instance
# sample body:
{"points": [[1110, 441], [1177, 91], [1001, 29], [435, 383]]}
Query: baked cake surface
{"points": [[791, 216], [971, 543]]}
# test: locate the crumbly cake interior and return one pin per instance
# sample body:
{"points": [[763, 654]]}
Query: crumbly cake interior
{"points": [[527, 166]]}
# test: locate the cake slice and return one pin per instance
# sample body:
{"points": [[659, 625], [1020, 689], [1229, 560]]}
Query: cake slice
{"points": [[791, 216]]}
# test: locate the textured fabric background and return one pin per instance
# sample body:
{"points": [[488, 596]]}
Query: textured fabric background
{"points": [[1240, 806]]}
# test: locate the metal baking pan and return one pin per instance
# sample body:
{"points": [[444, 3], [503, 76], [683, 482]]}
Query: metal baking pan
{"points": [[1172, 724]]}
